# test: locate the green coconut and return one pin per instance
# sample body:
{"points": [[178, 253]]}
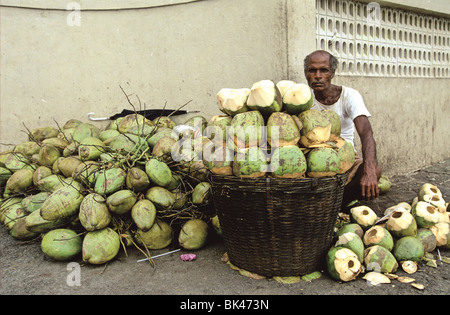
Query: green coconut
{"points": [[62, 203], [343, 264], [34, 202], [428, 189], [425, 214], [71, 123], [378, 258], [100, 246], [408, 248], [316, 128], [427, 238], [94, 213], [11, 213], [233, 101], [52, 183], [48, 154], [158, 236], [160, 133], [143, 214], [401, 223], [346, 154], [181, 198], [104, 135], [201, 193], [85, 130], [250, 162], [193, 234], [265, 97], [35, 223], [216, 129], [435, 200], [27, 148], [61, 244], [322, 162], [121, 202], [160, 197], [351, 227], [175, 182], [164, 121], [109, 181], [298, 98], [41, 133], [247, 129], [57, 142], [282, 130], [158, 172], [127, 143], [283, 85], [5, 174], [197, 122], [378, 235], [364, 216], [288, 162], [87, 172], [40, 173], [17, 161], [90, 148], [218, 158], [132, 120], [137, 179], [335, 121], [19, 181], [384, 184], [216, 224], [163, 148], [353, 242], [20, 231], [67, 165], [442, 232]]}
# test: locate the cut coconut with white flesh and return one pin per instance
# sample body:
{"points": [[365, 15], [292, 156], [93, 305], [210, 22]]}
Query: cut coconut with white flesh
{"points": [[376, 278], [364, 216], [265, 97], [298, 98], [442, 232], [436, 200], [401, 223], [428, 189], [233, 101], [316, 128], [426, 215], [343, 264], [283, 85]]}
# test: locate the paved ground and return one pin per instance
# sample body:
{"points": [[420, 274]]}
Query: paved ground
{"points": [[25, 270]]}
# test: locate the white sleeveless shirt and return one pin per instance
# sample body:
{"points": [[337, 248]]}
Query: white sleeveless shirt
{"points": [[349, 106]]}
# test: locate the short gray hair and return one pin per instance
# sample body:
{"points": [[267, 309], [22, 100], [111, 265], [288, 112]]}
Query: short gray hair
{"points": [[333, 61]]}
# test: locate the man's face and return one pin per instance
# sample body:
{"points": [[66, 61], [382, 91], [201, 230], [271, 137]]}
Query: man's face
{"points": [[318, 72]]}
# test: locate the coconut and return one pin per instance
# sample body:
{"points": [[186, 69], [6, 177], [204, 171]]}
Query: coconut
{"points": [[378, 258], [250, 162], [408, 248], [401, 223], [353, 242], [384, 184], [107, 134], [20, 231], [218, 158], [34, 202], [201, 193], [282, 130], [27, 148], [48, 154], [298, 98], [143, 214], [90, 148], [316, 128], [160, 133], [233, 101], [137, 180], [335, 121], [247, 129], [164, 121], [343, 264], [442, 232], [121, 202], [71, 149], [51, 183], [265, 97], [346, 154], [35, 223], [216, 129], [378, 235], [404, 206], [61, 244], [40, 173], [216, 224], [94, 214], [57, 142], [175, 182], [163, 148], [109, 181], [435, 200], [132, 120], [351, 227], [5, 174], [100, 246], [425, 214], [283, 85], [158, 172], [17, 161], [158, 236], [428, 189], [62, 203], [71, 123], [288, 162], [160, 197], [67, 165], [193, 234], [85, 130], [19, 181], [11, 213], [322, 162], [180, 198], [427, 238], [41, 133], [364, 216]]}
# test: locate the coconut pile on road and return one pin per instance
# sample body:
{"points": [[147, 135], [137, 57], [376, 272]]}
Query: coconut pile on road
{"points": [[271, 130], [90, 192], [406, 236]]}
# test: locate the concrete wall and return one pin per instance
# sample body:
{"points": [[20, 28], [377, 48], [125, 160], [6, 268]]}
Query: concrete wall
{"points": [[171, 54]]}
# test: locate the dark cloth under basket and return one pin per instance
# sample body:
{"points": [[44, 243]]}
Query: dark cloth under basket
{"points": [[278, 227]]}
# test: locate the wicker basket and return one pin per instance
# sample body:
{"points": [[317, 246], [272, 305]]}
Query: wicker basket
{"points": [[278, 227]]}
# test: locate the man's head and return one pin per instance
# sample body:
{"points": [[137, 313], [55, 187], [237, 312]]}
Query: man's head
{"points": [[320, 67]]}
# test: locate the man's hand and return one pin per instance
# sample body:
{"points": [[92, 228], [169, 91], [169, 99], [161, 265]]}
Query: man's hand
{"points": [[369, 182]]}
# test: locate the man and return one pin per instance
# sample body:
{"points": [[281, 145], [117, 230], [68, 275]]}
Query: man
{"points": [[320, 67]]}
